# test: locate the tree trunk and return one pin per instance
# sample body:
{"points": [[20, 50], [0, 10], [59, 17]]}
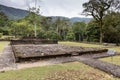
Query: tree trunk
{"points": [[79, 37], [117, 41], [101, 37], [101, 32], [35, 30]]}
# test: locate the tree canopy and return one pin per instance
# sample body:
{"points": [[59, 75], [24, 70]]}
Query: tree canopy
{"points": [[98, 9]]}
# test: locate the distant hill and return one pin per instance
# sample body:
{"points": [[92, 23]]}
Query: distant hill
{"points": [[14, 13], [77, 19], [74, 19]]}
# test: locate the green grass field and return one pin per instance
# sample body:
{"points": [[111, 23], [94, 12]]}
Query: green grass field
{"points": [[3, 44], [39, 73], [113, 60], [90, 45], [80, 44], [6, 36], [66, 71]]}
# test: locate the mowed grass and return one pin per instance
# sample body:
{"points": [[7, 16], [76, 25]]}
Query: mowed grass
{"points": [[3, 44], [80, 44], [113, 60], [6, 36], [40, 73], [117, 49]]}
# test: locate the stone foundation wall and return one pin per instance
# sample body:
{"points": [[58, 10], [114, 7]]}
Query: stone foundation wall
{"points": [[33, 41]]}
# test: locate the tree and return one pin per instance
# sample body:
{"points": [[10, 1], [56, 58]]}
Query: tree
{"points": [[3, 24], [3, 19], [112, 28], [61, 25], [34, 12], [79, 30], [22, 29], [46, 23], [70, 35], [53, 35], [98, 9], [1, 35], [92, 31], [41, 34]]}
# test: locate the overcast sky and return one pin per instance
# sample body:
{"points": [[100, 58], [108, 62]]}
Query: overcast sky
{"points": [[67, 8]]}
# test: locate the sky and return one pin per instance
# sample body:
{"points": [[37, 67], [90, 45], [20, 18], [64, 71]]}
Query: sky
{"points": [[67, 8]]}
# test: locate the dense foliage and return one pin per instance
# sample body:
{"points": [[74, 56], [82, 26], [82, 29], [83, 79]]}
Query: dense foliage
{"points": [[92, 32], [3, 23], [79, 30], [98, 9], [35, 25], [111, 29]]}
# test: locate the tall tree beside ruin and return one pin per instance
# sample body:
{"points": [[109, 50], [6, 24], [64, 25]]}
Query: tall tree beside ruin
{"points": [[34, 12], [98, 9]]}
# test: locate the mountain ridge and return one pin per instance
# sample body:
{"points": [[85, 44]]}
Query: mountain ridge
{"points": [[14, 13]]}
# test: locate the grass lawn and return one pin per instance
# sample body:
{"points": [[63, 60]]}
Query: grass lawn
{"points": [[80, 44], [38, 73], [89, 45], [6, 36], [66, 71], [3, 44], [113, 60]]}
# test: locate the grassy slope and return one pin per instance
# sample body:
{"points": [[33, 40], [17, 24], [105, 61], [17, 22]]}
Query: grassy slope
{"points": [[113, 60], [89, 45], [39, 73], [3, 44], [80, 44]]}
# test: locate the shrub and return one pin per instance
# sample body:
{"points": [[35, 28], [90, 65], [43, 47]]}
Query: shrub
{"points": [[41, 34], [52, 35], [1, 34], [70, 36]]}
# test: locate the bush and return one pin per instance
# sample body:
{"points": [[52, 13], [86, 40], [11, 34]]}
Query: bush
{"points": [[70, 36], [9, 38], [92, 39], [1, 34], [41, 34], [52, 35]]}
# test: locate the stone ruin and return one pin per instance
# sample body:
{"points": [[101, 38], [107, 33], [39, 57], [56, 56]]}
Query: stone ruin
{"points": [[33, 49], [39, 48], [33, 41]]}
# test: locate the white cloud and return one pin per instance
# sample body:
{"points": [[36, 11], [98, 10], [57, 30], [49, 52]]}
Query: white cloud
{"points": [[68, 8]]}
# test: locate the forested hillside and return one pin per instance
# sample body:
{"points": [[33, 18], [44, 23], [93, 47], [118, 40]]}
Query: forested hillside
{"points": [[104, 27], [14, 13]]}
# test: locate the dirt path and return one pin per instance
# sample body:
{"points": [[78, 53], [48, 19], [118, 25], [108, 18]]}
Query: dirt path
{"points": [[7, 59], [45, 62]]}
